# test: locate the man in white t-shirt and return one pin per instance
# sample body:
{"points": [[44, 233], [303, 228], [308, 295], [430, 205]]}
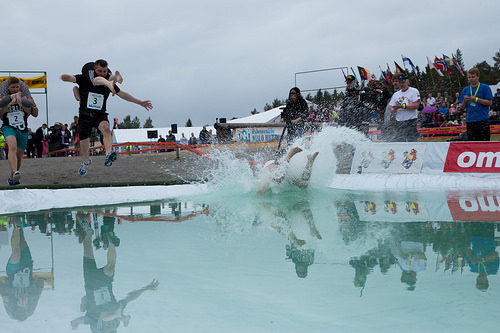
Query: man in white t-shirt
{"points": [[404, 105]]}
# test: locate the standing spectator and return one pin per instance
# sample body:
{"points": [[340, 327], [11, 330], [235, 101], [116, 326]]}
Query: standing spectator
{"points": [[353, 113], [204, 136], [183, 140], [476, 100], [295, 114], [74, 132], [64, 136], [170, 138], [40, 139], [53, 139], [161, 140], [211, 138], [404, 104], [30, 146], [192, 140]]}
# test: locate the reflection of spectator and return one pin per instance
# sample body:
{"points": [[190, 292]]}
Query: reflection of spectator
{"points": [[21, 289], [483, 257]]}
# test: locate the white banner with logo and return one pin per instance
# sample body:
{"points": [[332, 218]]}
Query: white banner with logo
{"points": [[480, 158], [389, 158], [258, 134]]}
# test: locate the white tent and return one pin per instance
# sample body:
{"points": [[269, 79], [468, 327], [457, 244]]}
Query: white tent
{"points": [[271, 116]]}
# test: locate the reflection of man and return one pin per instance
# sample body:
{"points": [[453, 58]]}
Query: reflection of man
{"points": [[103, 312], [411, 258], [482, 257], [20, 290]]}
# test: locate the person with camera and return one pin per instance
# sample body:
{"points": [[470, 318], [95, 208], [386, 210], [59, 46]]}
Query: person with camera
{"points": [[295, 115], [404, 105]]}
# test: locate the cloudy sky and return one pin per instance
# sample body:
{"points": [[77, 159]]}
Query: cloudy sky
{"points": [[209, 59]]}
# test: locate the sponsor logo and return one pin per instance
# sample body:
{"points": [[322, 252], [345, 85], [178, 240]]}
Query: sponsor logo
{"points": [[481, 157], [478, 208]]}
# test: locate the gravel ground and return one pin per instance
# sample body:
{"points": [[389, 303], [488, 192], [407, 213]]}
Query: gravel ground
{"points": [[135, 169]]}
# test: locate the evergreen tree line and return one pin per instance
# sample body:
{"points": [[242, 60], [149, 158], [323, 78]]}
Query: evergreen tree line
{"points": [[425, 81]]}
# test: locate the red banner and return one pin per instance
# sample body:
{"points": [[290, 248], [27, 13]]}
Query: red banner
{"points": [[480, 157]]}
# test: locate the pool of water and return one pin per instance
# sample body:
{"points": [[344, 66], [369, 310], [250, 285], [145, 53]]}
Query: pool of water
{"points": [[319, 260]]}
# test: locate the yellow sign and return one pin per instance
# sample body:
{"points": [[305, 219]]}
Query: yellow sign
{"points": [[32, 82]]}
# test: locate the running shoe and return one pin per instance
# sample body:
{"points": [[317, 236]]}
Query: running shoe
{"points": [[17, 178], [83, 168], [110, 158], [10, 182]]}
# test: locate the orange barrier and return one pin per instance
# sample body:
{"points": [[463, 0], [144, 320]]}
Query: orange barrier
{"points": [[449, 132], [153, 146]]}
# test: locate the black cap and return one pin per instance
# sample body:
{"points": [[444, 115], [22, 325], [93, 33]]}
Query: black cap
{"points": [[349, 78], [402, 76]]}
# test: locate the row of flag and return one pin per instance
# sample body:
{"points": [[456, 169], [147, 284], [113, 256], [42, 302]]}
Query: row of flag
{"points": [[439, 64]]}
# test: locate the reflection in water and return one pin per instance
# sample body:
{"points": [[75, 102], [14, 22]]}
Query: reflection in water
{"points": [[363, 244], [22, 287], [103, 313]]}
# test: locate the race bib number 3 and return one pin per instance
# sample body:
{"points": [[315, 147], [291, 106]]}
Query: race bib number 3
{"points": [[95, 101]]}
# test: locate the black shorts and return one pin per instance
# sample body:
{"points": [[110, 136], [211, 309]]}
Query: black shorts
{"points": [[89, 120], [478, 131]]}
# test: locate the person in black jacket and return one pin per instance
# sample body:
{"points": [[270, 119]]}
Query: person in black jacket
{"points": [[353, 113], [295, 114]]}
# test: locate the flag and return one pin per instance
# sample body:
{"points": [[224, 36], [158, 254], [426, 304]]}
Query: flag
{"points": [[356, 78], [384, 75], [365, 74], [407, 61], [442, 65], [389, 71], [433, 65], [448, 60], [398, 68], [457, 65]]}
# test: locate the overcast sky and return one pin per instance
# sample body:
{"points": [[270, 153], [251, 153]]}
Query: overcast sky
{"points": [[209, 59]]}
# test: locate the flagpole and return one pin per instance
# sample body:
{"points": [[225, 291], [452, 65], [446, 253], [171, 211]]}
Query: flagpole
{"points": [[432, 76]]}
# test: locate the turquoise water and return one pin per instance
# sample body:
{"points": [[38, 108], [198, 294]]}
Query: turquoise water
{"points": [[315, 261], [222, 258]]}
